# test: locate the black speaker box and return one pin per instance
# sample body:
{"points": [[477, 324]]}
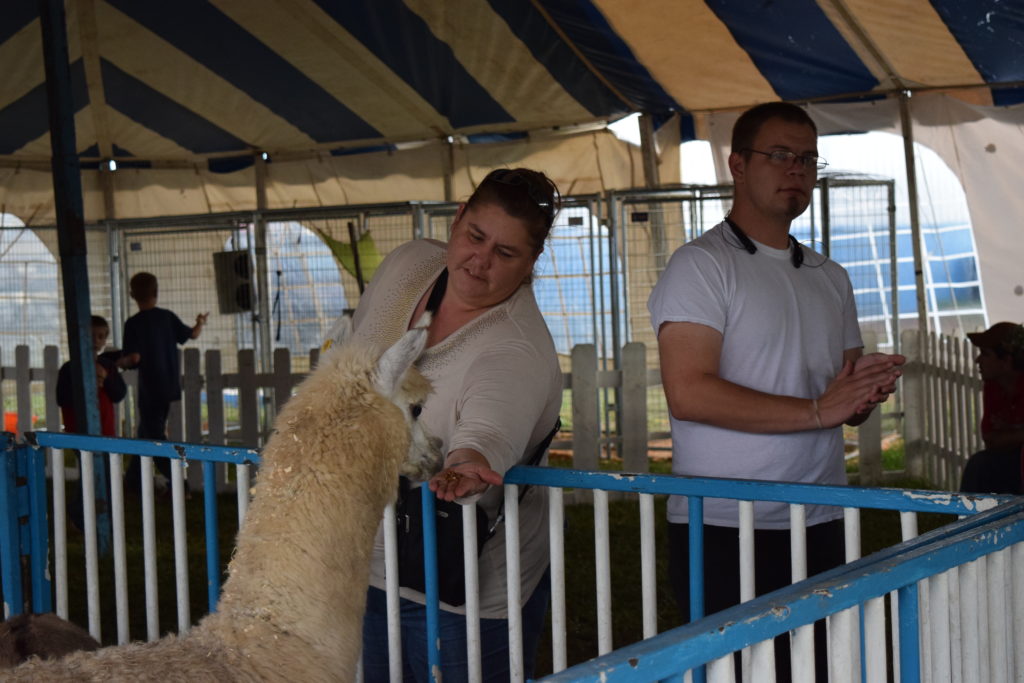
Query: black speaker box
{"points": [[235, 290]]}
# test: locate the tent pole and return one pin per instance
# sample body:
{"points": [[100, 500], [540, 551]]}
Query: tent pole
{"points": [[262, 278], [915, 224], [649, 151], [448, 167], [914, 448], [652, 180], [67, 193]]}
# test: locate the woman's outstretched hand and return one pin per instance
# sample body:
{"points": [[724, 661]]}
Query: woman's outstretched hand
{"points": [[464, 477]]}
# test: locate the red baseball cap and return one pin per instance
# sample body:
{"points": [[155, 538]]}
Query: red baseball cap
{"points": [[1005, 336]]}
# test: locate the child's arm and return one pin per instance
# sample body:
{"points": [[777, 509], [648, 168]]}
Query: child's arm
{"points": [[113, 383], [198, 327]]}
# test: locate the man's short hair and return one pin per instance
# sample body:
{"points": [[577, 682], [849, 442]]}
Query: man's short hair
{"points": [[98, 321], [142, 286], [748, 125]]}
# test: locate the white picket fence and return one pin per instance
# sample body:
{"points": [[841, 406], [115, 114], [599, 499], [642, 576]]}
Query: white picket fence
{"points": [[940, 399], [941, 395]]}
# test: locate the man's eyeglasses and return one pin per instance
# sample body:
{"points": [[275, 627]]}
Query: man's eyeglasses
{"points": [[784, 158], [508, 176]]}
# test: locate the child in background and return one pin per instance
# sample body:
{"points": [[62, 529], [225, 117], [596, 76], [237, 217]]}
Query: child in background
{"points": [[110, 385], [152, 336], [110, 389], [997, 469]]}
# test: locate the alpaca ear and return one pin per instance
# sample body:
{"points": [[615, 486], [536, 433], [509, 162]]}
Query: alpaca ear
{"points": [[396, 360], [339, 332]]}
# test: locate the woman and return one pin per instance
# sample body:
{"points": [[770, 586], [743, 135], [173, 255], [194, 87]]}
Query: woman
{"points": [[497, 394]]}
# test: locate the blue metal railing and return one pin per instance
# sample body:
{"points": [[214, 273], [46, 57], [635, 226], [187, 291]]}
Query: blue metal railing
{"points": [[208, 455], [737, 627], [907, 556], [897, 568], [23, 530]]}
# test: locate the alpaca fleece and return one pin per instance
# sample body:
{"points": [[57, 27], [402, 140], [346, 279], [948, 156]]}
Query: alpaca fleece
{"points": [[292, 607]]}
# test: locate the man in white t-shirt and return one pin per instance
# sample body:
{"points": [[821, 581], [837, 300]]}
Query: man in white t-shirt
{"points": [[761, 363]]}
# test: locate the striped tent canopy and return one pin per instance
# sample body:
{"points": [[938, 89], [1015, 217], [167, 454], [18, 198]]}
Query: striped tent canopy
{"points": [[188, 96]]}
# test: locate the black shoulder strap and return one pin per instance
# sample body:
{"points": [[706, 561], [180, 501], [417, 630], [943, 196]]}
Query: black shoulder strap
{"points": [[437, 293], [538, 453], [543, 445]]}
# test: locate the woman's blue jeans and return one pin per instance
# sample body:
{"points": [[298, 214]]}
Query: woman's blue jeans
{"points": [[493, 640]]}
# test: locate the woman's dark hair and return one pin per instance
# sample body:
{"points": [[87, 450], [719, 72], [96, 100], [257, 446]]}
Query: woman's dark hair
{"points": [[528, 195], [749, 123]]}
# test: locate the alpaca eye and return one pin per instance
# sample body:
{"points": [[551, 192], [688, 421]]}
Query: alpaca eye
{"points": [[415, 409]]}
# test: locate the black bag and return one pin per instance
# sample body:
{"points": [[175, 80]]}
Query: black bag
{"points": [[451, 569]]}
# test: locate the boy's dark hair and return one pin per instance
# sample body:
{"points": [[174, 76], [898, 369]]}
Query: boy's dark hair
{"points": [[749, 123], [142, 286], [99, 321]]}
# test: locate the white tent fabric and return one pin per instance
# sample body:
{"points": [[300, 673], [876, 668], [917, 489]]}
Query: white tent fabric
{"points": [[369, 101], [582, 163]]}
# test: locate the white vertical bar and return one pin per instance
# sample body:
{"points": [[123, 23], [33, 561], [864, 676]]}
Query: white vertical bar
{"points": [[798, 542], [514, 580], [648, 567], [180, 545], [149, 549], [92, 580], [472, 570], [923, 630], [874, 640], [556, 534], [840, 655], [746, 539], [983, 619], [937, 624], [996, 618], [970, 667], [603, 568], [242, 491], [955, 629], [1007, 640], [1017, 630], [722, 670], [802, 639], [852, 540], [120, 562], [762, 656], [393, 599], [894, 621], [851, 533], [60, 531], [908, 525]]}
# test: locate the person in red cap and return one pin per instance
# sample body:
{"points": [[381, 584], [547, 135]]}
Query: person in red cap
{"points": [[997, 469]]}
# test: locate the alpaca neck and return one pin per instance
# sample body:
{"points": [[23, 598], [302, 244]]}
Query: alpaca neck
{"points": [[302, 559]]}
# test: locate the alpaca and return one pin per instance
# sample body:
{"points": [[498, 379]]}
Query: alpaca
{"points": [[292, 606], [46, 636]]}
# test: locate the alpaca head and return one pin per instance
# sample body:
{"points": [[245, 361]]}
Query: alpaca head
{"points": [[397, 379]]}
